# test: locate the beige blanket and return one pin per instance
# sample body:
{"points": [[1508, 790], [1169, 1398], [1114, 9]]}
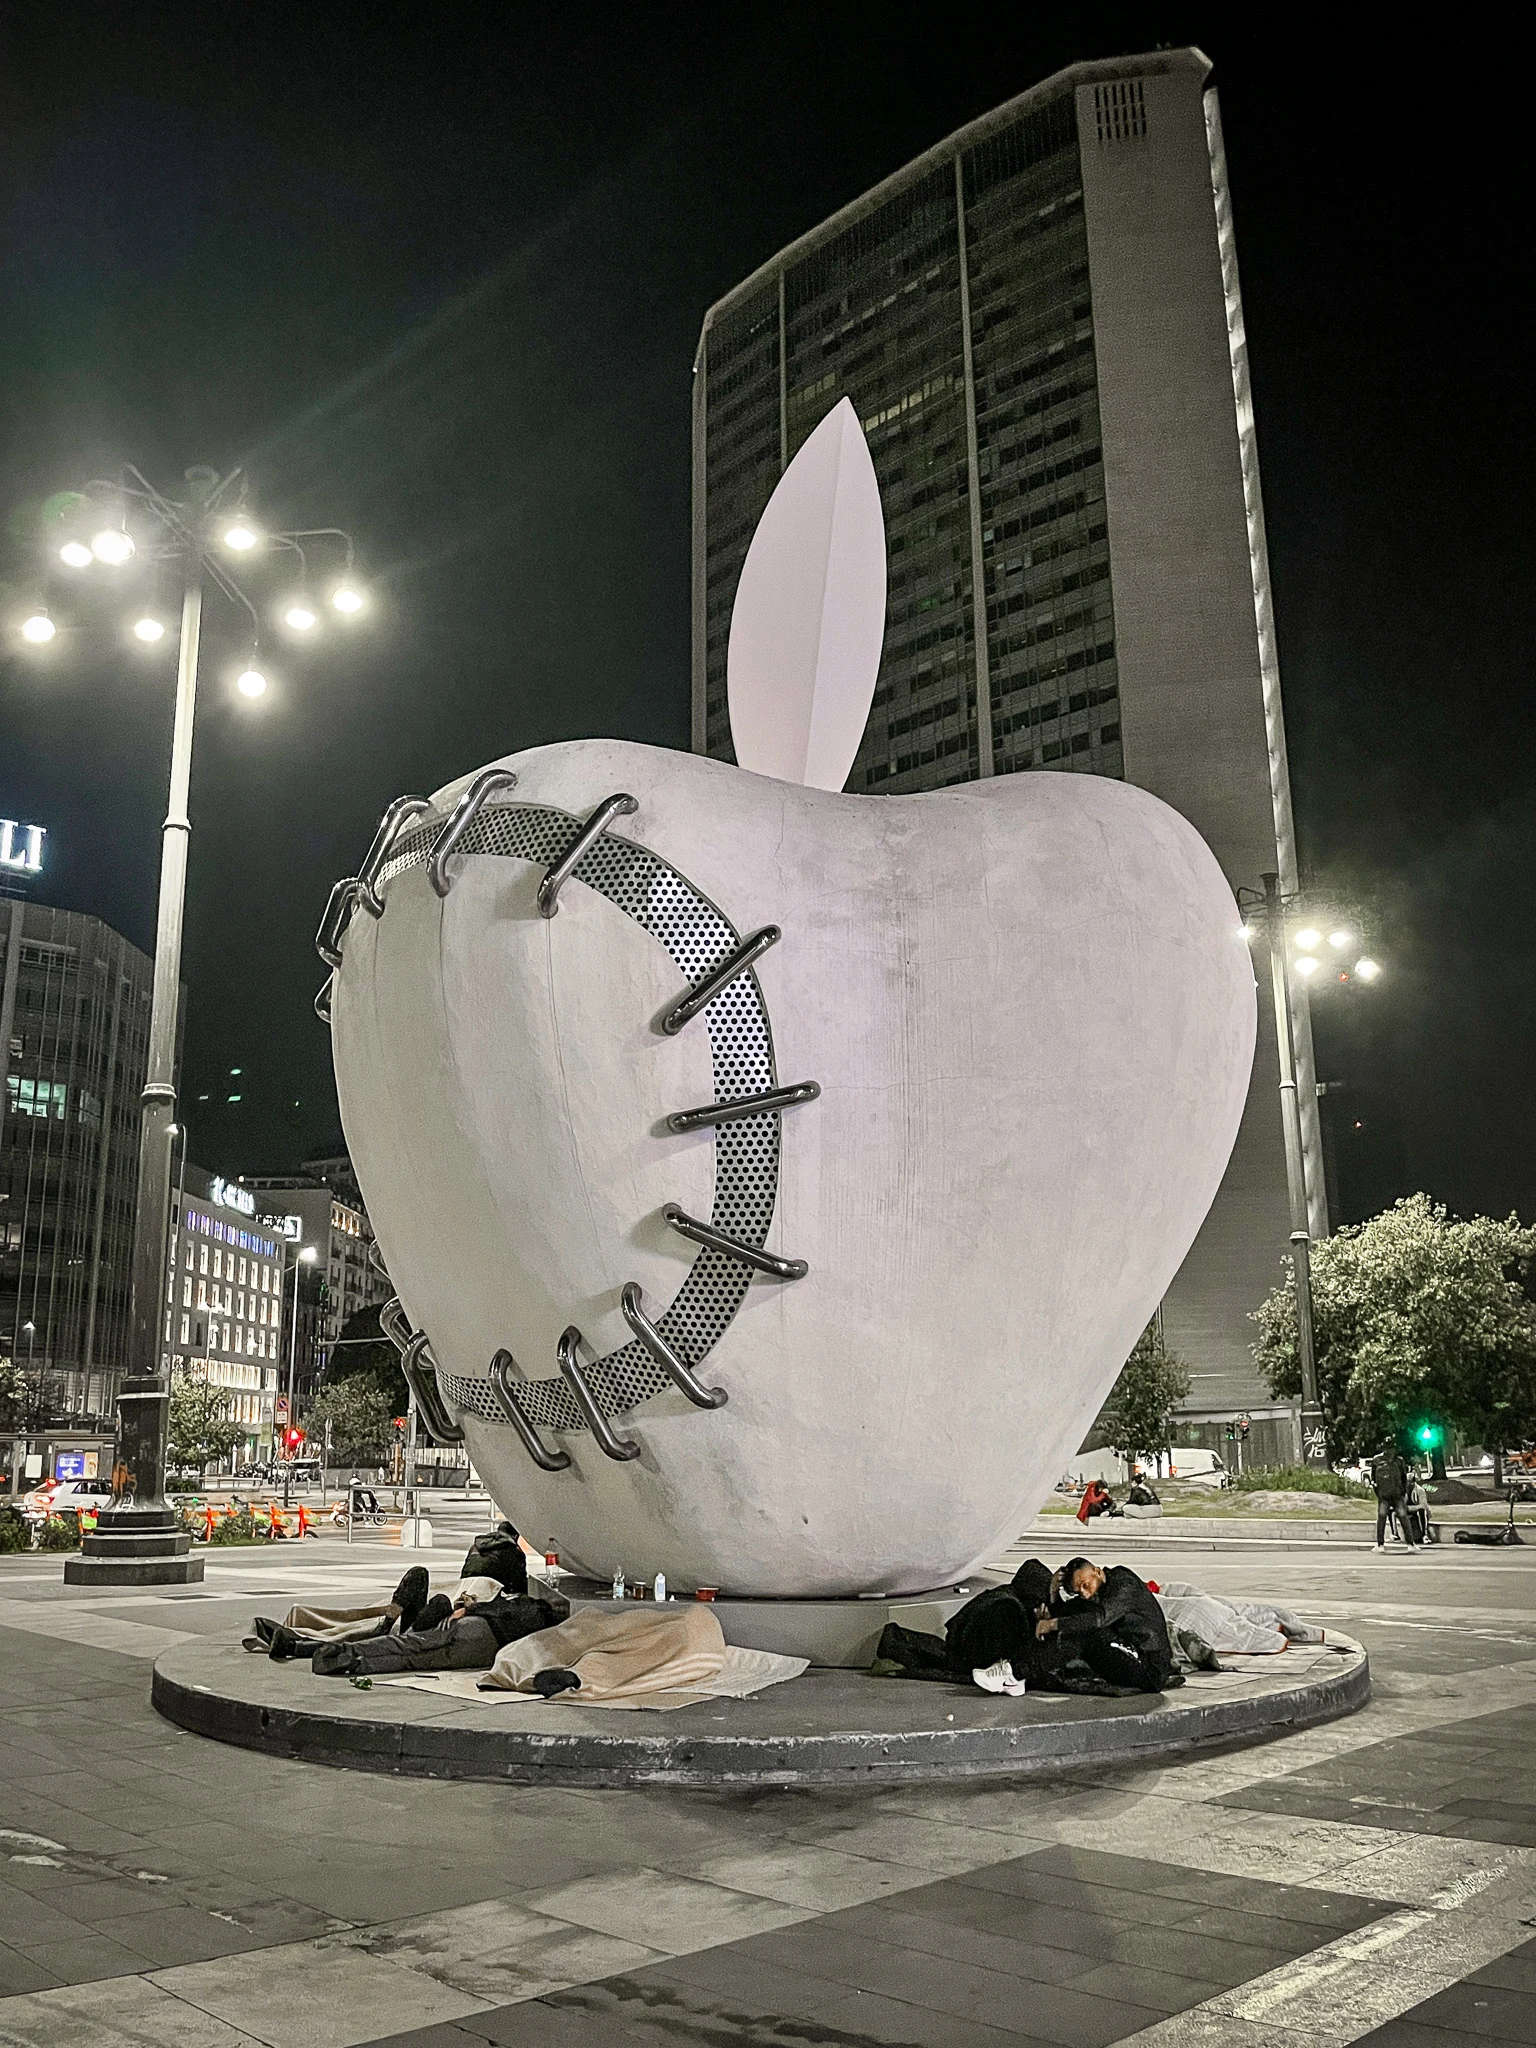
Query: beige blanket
{"points": [[620, 1655], [743, 1673]]}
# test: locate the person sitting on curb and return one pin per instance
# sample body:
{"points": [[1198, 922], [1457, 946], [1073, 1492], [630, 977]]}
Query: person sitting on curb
{"points": [[1097, 1500], [1009, 1639], [1111, 1620]]}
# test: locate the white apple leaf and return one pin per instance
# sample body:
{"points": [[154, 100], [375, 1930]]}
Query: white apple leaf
{"points": [[809, 618]]}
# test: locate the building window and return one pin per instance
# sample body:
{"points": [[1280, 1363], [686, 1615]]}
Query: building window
{"points": [[186, 1328], [36, 1098], [1120, 110], [203, 1263], [186, 1292]]}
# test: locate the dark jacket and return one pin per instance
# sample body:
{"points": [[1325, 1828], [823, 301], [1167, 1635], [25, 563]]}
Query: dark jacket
{"points": [[1124, 1609], [1389, 1475]]}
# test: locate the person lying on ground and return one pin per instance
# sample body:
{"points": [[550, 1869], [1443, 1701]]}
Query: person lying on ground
{"points": [[1203, 1624], [497, 1557], [466, 1638], [1112, 1622]]}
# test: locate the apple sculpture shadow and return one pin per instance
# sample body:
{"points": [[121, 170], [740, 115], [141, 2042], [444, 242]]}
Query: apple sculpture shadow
{"points": [[774, 1180]]}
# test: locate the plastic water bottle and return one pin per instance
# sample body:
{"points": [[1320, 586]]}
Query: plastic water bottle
{"points": [[661, 1586], [618, 1583]]}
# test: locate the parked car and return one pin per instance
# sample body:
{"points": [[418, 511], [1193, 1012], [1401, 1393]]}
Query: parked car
{"points": [[65, 1496]]}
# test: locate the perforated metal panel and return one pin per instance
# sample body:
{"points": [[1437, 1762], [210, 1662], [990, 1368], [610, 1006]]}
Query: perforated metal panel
{"points": [[697, 938]]}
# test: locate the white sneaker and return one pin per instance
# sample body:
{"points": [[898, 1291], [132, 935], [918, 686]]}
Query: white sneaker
{"points": [[998, 1677], [1378, 1546]]}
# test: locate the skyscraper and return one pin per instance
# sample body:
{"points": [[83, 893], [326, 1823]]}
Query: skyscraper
{"points": [[1040, 327], [74, 1035]]}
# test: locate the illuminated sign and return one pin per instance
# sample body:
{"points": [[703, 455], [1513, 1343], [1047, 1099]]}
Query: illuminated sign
{"points": [[227, 1196], [289, 1227], [21, 846]]}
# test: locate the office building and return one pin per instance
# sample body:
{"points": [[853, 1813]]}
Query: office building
{"points": [[305, 1210], [1039, 325], [225, 1301], [74, 1035]]}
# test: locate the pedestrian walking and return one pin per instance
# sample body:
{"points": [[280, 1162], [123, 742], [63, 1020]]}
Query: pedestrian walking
{"points": [[1389, 1480]]}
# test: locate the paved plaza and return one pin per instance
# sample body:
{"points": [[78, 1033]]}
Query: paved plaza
{"points": [[1372, 1880]]}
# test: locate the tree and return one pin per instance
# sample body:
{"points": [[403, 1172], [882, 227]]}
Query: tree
{"points": [[362, 1419], [362, 1351], [200, 1427], [1139, 1412], [1416, 1319], [13, 1395]]}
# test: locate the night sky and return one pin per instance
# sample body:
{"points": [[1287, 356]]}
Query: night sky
{"points": [[436, 275]]}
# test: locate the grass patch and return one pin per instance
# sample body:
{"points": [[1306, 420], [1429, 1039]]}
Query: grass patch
{"points": [[1299, 1479]]}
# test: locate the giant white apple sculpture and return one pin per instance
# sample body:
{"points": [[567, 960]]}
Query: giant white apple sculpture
{"points": [[964, 1075]]}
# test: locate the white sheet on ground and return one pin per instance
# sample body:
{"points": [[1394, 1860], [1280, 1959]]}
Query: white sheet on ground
{"points": [[1235, 1627], [743, 1673]]}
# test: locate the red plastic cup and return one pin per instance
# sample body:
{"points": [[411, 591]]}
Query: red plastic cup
{"points": [[705, 1592]]}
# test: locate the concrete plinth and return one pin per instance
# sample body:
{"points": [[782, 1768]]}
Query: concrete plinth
{"points": [[133, 1571], [835, 1634], [135, 1547], [832, 1727]]}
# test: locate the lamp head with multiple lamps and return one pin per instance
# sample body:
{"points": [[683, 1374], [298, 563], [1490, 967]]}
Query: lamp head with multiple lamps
{"points": [[165, 530], [1348, 962]]}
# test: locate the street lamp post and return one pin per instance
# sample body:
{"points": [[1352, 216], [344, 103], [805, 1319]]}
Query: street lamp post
{"points": [[139, 1543], [306, 1257], [34, 1393], [1270, 911], [1314, 1440]]}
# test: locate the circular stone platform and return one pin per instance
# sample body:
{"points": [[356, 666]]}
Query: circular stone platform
{"points": [[827, 1727]]}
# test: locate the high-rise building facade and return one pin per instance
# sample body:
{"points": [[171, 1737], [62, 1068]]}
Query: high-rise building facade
{"points": [[224, 1312], [310, 1210], [74, 1035], [1039, 325]]}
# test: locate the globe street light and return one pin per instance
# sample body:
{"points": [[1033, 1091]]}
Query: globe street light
{"points": [[144, 1540]]}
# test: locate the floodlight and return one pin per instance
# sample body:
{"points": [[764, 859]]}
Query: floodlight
{"points": [[76, 555], [252, 683], [148, 629], [1307, 964], [39, 629], [114, 546]]}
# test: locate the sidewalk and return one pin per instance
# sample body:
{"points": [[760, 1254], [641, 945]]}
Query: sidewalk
{"points": [[157, 1888]]}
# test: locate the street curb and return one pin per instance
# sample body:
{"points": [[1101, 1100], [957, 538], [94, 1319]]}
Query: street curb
{"points": [[825, 1728]]}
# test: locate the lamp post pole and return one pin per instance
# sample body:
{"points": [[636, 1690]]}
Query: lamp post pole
{"points": [[144, 1400], [299, 1259], [137, 1541], [1313, 1447]]}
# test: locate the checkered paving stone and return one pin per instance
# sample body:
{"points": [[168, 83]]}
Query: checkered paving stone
{"points": [[1475, 1780], [1494, 2004], [1066, 1946]]}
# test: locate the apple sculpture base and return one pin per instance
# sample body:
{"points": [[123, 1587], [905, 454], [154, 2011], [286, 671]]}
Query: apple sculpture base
{"points": [[774, 1181]]}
